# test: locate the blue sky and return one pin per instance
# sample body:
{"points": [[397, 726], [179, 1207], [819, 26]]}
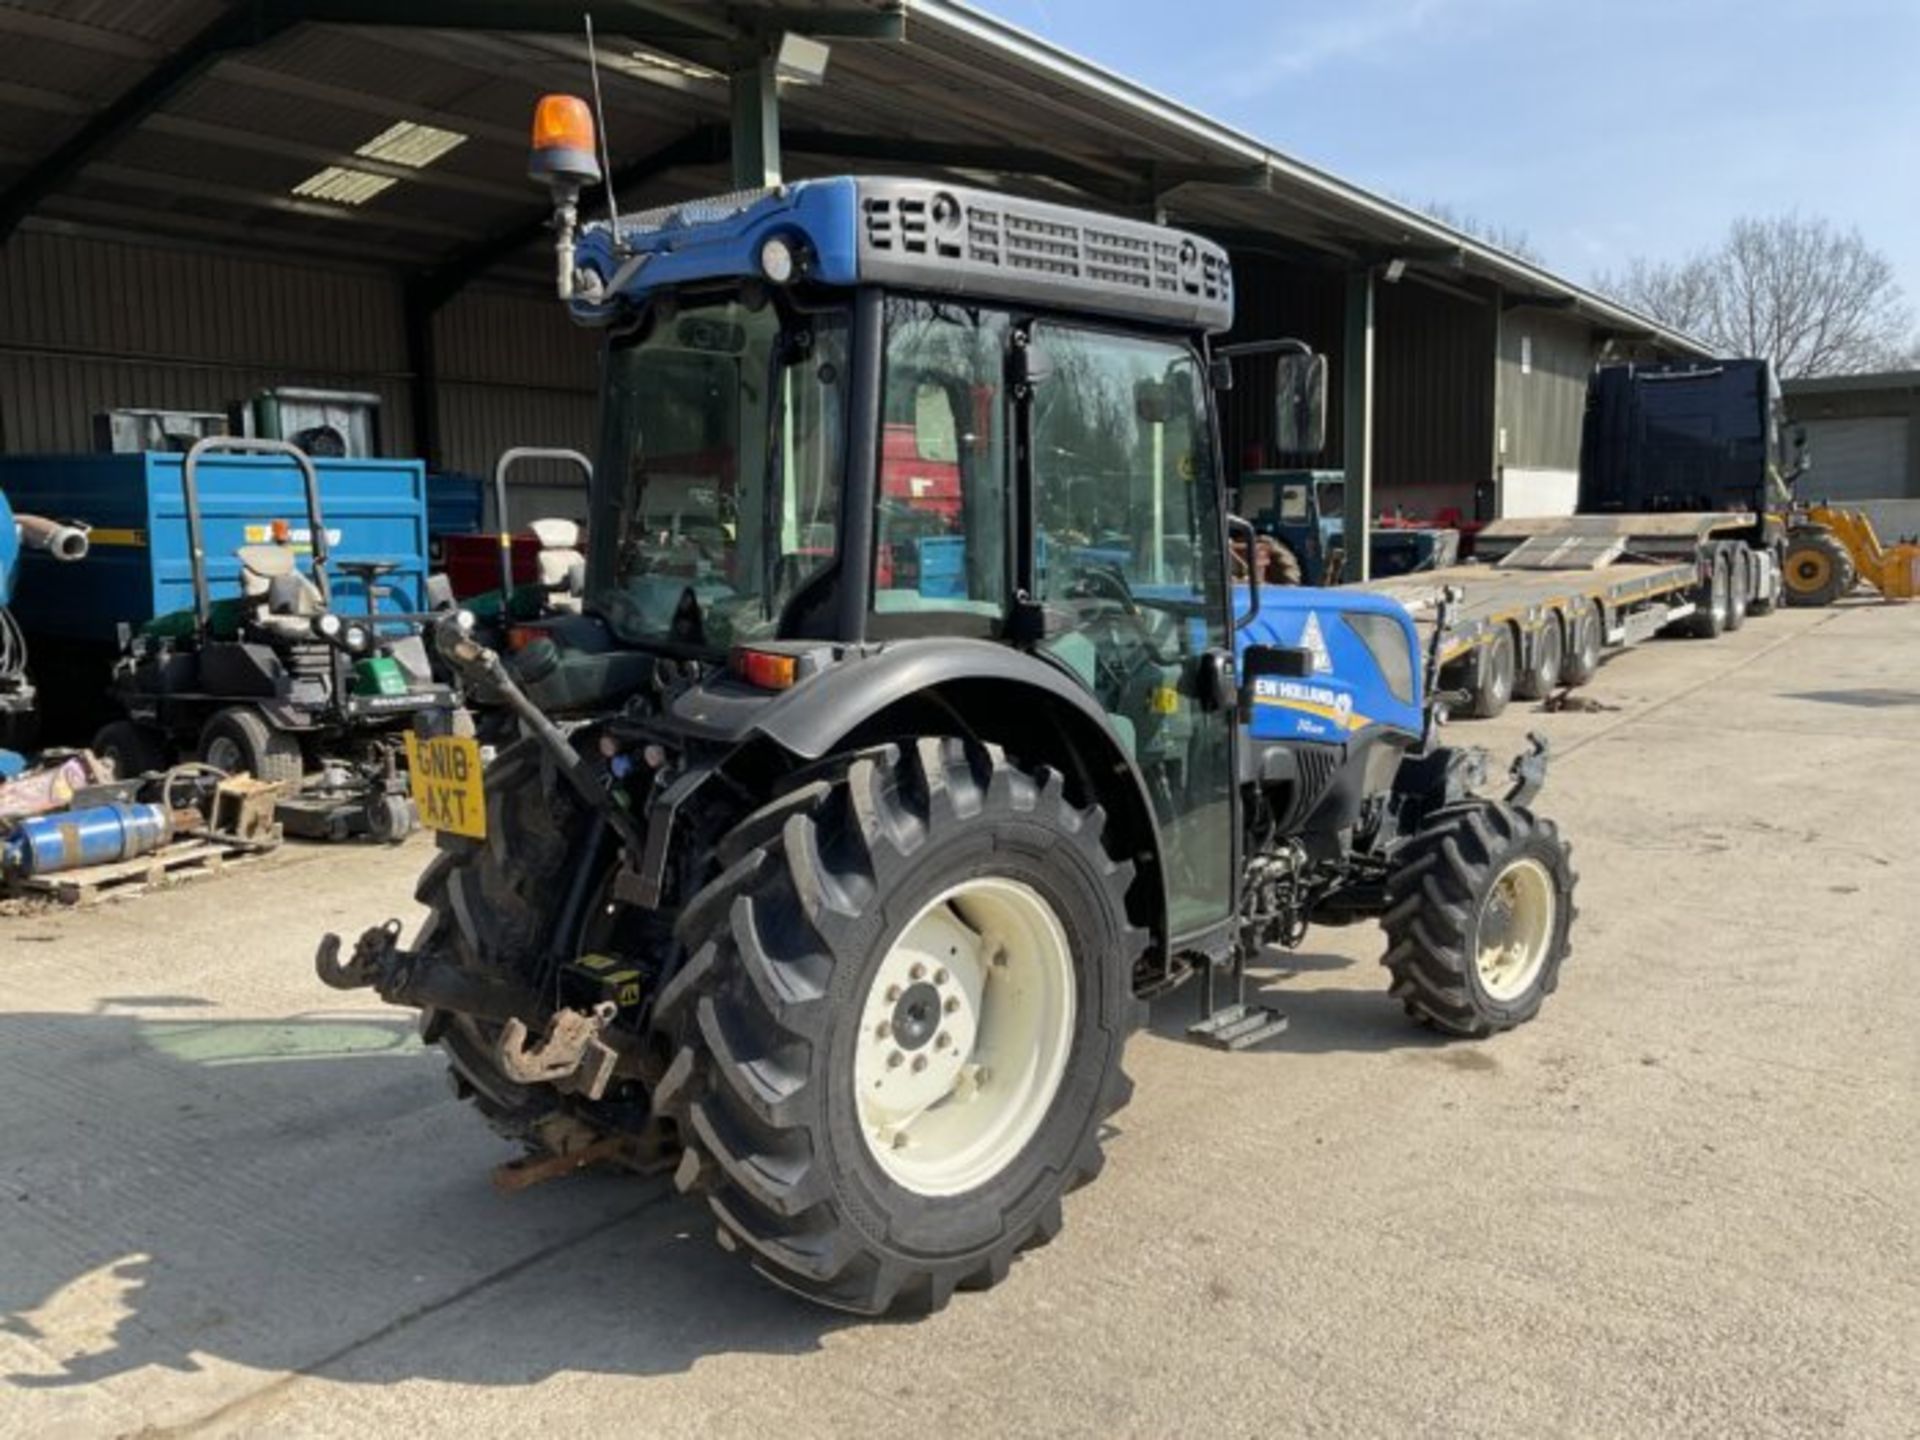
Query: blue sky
{"points": [[1603, 129]]}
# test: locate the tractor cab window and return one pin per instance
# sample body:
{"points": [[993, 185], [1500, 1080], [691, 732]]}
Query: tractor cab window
{"points": [[1128, 563], [941, 524], [731, 421]]}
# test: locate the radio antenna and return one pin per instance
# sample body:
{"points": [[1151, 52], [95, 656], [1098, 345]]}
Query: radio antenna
{"points": [[600, 124]]}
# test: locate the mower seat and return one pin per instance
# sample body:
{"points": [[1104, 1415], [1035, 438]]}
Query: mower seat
{"points": [[280, 599], [562, 565]]}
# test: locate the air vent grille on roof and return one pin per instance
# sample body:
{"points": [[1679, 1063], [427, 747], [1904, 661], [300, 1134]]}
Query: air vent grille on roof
{"points": [[941, 238]]}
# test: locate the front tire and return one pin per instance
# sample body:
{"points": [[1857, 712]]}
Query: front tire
{"points": [[976, 881], [1816, 568], [1479, 911]]}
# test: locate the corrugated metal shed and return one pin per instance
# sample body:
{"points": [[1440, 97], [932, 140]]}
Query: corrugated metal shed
{"points": [[201, 121]]}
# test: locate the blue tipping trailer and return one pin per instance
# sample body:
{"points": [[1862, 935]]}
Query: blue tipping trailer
{"points": [[376, 510]]}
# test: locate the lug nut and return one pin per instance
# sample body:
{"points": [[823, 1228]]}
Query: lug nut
{"points": [[940, 976], [919, 1063], [882, 1030], [918, 972], [941, 1041], [893, 1060], [893, 993], [953, 1004]]}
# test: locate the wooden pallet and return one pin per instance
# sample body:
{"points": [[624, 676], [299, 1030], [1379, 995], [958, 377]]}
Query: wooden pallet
{"points": [[183, 860]]}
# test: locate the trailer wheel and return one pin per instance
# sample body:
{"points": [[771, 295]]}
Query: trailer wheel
{"points": [[1544, 666], [1492, 671], [133, 750], [898, 1034], [1739, 582], [1768, 599], [239, 738], [1815, 569], [1479, 909], [1586, 633], [1709, 619]]}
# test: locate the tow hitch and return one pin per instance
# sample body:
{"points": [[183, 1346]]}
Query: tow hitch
{"points": [[571, 1055]]}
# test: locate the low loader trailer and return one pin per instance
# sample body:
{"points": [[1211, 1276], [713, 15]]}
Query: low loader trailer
{"points": [[1548, 597], [1685, 470]]}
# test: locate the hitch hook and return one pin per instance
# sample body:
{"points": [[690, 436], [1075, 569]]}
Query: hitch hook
{"points": [[373, 952], [1529, 770], [570, 1056]]}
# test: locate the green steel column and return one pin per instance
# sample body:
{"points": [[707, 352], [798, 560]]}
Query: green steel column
{"points": [[1357, 424], [755, 95]]}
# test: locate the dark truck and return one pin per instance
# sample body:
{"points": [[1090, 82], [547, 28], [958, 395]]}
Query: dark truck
{"points": [[1684, 472]]}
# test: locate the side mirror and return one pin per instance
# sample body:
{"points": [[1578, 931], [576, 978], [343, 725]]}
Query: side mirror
{"points": [[1300, 414]]}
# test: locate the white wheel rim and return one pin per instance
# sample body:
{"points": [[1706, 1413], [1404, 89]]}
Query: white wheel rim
{"points": [[964, 1036], [1516, 927]]}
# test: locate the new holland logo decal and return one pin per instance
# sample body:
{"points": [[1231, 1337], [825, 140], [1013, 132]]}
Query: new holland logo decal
{"points": [[1312, 641]]}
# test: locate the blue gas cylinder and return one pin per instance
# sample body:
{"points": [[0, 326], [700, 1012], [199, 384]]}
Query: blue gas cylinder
{"points": [[98, 835]]}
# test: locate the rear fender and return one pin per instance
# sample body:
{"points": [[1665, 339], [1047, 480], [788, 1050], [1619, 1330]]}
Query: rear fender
{"points": [[991, 693]]}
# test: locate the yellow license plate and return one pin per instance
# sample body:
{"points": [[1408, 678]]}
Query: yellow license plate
{"points": [[444, 771]]}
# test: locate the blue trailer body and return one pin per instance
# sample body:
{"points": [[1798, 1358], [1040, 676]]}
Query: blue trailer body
{"points": [[138, 566], [9, 551]]}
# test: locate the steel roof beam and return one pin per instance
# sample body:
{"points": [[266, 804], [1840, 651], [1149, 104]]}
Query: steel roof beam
{"points": [[233, 30]]}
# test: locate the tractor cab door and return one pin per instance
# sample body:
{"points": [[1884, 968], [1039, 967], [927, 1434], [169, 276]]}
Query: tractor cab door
{"points": [[1127, 565]]}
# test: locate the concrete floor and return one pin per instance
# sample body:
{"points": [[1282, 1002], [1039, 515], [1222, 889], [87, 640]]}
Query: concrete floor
{"points": [[1683, 1201]]}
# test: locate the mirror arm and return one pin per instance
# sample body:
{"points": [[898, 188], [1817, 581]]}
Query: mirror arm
{"points": [[1236, 524]]}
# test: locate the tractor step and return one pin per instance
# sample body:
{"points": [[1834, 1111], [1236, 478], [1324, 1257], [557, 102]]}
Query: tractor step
{"points": [[1238, 1026]]}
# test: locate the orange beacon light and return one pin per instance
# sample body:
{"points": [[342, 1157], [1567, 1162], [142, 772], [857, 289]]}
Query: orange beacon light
{"points": [[563, 144]]}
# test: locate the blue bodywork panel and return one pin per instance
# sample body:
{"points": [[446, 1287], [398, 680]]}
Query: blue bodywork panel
{"points": [[1350, 688], [719, 238], [138, 565], [9, 550]]}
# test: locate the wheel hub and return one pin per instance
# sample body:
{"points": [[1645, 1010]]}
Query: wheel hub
{"points": [[964, 1036], [1516, 929], [916, 1017]]}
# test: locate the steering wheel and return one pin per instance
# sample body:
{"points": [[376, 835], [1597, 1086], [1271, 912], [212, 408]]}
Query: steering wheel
{"points": [[1088, 584]]}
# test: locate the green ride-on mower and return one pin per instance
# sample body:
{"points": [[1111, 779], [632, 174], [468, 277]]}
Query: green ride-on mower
{"points": [[278, 684], [832, 853]]}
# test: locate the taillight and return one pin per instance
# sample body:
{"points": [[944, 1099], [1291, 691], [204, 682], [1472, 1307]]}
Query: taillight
{"points": [[765, 669]]}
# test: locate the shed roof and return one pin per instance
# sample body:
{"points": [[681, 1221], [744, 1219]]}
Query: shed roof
{"points": [[260, 124]]}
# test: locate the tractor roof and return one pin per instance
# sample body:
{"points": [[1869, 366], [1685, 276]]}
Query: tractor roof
{"points": [[921, 235]]}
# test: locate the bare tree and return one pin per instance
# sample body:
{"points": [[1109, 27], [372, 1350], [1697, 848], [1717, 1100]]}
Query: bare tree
{"points": [[1813, 299], [1503, 237]]}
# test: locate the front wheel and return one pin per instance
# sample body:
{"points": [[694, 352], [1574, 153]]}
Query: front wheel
{"points": [[1479, 912], [898, 1032]]}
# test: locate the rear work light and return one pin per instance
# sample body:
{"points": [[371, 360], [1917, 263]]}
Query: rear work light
{"points": [[765, 669]]}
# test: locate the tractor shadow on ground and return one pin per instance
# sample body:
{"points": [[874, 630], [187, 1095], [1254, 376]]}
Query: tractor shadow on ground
{"points": [[1320, 1020], [301, 1195]]}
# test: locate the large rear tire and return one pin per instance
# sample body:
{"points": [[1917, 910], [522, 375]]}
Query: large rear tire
{"points": [[1817, 569], [1479, 910], [930, 909], [492, 906], [240, 739]]}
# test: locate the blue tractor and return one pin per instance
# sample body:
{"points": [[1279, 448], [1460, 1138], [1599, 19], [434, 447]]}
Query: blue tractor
{"points": [[838, 845]]}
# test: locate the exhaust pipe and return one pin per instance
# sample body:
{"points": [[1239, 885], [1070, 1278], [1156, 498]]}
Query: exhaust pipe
{"points": [[59, 539]]}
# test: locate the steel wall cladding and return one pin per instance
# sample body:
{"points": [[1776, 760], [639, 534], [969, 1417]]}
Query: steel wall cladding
{"points": [[90, 324], [1545, 359]]}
